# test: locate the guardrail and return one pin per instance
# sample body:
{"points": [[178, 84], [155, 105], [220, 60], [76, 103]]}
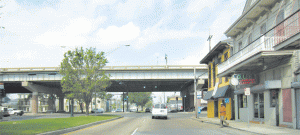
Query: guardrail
{"points": [[266, 42], [56, 69]]}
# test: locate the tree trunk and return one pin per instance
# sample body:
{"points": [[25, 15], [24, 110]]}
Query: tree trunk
{"points": [[87, 109], [81, 106]]}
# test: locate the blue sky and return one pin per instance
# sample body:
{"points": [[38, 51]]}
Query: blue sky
{"points": [[35, 30]]}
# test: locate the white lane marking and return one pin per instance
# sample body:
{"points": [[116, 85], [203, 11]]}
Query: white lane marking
{"points": [[134, 131]]}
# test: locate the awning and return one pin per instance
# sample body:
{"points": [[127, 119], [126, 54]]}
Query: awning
{"points": [[208, 95], [221, 92], [295, 84], [273, 84]]}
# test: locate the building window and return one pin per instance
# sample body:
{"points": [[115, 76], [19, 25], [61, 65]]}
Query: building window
{"points": [[226, 79], [214, 73], [209, 76], [242, 101], [225, 56], [250, 39], [240, 46], [263, 29], [274, 98]]}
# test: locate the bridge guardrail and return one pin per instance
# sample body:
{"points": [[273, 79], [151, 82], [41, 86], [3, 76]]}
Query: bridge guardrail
{"points": [[29, 69]]}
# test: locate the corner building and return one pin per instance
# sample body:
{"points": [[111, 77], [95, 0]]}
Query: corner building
{"points": [[265, 58], [219, 90]]}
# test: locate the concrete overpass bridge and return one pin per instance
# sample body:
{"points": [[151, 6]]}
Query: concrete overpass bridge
{"points": [[124, 79]]}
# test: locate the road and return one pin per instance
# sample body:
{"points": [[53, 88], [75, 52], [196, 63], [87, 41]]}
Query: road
{"points": [[143, 124]]}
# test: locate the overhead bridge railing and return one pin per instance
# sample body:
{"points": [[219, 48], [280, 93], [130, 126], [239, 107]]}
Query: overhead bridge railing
{"points": [[158, 67]]}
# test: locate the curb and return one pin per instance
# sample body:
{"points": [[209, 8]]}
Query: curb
{"points": [[226, 126], [67, 130]]}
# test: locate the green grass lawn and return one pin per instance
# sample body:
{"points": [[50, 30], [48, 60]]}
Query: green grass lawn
{"points": [[36, 126]]}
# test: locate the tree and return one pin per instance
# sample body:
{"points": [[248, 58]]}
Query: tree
{"points": [[140, 98], [149, 104], [83, 75]]}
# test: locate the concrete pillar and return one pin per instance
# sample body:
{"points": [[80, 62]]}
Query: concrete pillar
{"points": [[34, 102], [61, 103]]}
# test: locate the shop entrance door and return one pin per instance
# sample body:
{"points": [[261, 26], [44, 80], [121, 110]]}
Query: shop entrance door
{"points": [[259, 106], [216, 108], [298, 108]]}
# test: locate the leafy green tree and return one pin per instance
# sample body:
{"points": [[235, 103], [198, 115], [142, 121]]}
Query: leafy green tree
{"points": [[149, 104], [83, 75], [140, 98]]}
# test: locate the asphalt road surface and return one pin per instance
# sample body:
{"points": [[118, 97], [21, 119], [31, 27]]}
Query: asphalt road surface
{"points": [[143, 124]]}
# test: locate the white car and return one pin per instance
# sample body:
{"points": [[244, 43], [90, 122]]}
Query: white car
{"points": [[101, 110], [15, 111], [159, 111]]}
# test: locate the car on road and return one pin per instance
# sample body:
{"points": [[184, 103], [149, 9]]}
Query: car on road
{"points": [[160, 111], [119, 110], [147, 110], [101, 110], [15, 111], [5, 112]]}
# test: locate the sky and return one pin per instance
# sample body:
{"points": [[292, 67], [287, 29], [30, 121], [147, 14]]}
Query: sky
{"points": [[36, 33]]}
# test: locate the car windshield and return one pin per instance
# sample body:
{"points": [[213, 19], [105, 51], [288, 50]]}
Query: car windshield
{"points": [[160, 106]]}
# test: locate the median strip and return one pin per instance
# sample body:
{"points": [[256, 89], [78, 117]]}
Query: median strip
{"points": [[53, 125]]}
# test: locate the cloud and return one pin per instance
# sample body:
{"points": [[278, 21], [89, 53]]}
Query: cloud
{"points": [[199, 5], [115, 35]]}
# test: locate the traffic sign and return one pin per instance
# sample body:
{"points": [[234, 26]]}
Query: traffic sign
{"points": [[226, 100], [247, 91]]}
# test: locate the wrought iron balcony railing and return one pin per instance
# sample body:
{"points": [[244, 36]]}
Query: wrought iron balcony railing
{"points": [[266, 42]]}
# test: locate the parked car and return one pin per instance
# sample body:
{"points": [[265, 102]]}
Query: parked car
{"points": [[101, 110], [132, 110], [147, 110], [5, 112], [119, 110], [159, 111]]}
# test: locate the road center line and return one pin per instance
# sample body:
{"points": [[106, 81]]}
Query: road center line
{"points": [[134, 131]]}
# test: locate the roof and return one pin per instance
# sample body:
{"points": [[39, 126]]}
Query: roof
{"points": [[215, 51]]}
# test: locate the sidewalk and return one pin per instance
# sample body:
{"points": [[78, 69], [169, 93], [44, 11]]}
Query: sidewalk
{"points": [[254, 128]]}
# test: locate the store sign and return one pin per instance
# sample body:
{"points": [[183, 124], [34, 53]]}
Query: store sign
{"points": [[246, 79], [1, 86]]}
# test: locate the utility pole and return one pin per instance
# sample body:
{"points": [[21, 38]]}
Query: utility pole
{"points": [[166, 57], [209, 39], [123, 101]]}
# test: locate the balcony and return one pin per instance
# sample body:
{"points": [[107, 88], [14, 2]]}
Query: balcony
{"points": [[284, 36]]}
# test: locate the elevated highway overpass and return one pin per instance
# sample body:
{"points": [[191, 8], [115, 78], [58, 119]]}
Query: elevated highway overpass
{"points": [[124, 79]]}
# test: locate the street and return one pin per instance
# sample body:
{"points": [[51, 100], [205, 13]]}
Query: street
{"points": [[142, 123]]}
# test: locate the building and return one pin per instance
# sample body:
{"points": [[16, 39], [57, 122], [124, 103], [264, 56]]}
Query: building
{"points": [[219, 90], [265, 58], [24, 102]]}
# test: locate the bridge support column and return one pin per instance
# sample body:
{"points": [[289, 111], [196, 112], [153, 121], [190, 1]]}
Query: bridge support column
{"points": [[61, 103], [34, 103]]}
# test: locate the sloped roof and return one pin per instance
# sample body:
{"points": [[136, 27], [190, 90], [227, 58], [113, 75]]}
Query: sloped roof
{"points": [[215, 51]]}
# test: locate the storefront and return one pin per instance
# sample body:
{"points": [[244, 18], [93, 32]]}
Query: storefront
{"points": [[216, 97], [296, 86], [263, 103]]}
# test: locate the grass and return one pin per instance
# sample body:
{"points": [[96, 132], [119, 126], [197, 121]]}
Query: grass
{"points": [[35, 126]]}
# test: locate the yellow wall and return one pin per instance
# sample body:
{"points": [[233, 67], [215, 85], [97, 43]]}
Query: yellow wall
{"points": [[228, 108], [210, 109], [216, 70]]}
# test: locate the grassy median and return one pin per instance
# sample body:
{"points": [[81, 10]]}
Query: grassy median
{"points": [[36, 126]]}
